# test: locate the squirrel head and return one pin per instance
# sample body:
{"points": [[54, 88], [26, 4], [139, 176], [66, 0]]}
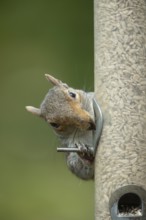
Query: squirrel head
{"points": [[63, 108]]}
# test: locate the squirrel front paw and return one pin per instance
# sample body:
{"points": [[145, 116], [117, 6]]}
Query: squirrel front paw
{"points": [[85, 151]]}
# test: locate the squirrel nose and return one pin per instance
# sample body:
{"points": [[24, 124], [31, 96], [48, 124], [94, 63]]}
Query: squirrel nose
{"points": [[92, 125]]}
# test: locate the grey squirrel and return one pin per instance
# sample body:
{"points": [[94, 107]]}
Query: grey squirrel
{"points": [[71, 114]]}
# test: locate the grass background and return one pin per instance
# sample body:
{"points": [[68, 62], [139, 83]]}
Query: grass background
{"points": [[40, 37]]}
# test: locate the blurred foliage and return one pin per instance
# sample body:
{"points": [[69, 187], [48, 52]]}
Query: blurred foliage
{"points": [[38, 37]]}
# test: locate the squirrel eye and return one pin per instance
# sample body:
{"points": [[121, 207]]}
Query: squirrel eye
{"points": [[73, 95], [54, 125]]}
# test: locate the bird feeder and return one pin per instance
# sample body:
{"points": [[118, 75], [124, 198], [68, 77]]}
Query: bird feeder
{"points": [[120, 87]]}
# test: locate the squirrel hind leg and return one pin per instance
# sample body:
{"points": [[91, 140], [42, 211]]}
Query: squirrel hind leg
{"points": [[83, 169]]}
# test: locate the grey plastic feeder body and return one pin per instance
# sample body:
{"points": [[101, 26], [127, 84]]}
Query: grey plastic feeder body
{"points": [[128, 203], [120, 87]]}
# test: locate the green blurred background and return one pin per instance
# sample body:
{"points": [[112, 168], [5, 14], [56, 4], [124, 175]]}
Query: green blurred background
{"points": [[38, 37]]}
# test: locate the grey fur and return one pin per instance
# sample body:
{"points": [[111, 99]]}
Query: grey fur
{"points": [[74, 117]]}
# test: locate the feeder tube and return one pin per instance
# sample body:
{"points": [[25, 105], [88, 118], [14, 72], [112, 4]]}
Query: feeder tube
{"points": [[120, 87]]}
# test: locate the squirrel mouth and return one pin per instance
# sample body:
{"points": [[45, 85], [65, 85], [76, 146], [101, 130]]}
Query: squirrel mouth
{"points": [[92, 125]]}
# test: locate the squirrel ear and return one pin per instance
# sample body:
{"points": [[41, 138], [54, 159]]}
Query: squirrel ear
{"points": [[33, 110], [53, 80]]}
